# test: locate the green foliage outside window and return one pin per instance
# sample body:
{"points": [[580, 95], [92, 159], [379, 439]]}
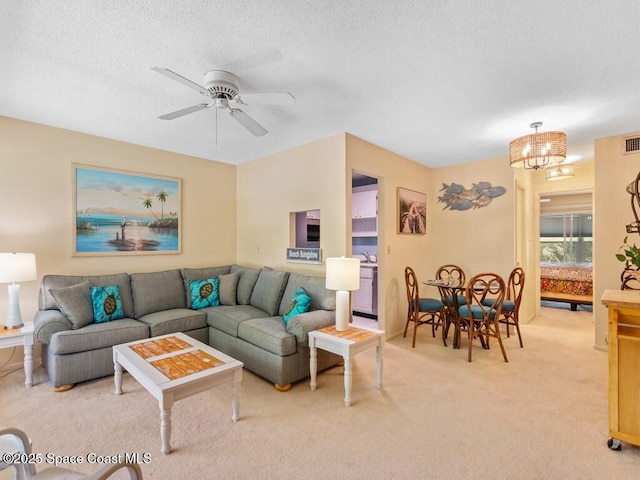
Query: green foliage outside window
{"points": [[566, 238]]}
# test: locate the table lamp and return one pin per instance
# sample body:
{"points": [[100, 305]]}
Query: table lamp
{"points": [[16, 267], [343, 275]]}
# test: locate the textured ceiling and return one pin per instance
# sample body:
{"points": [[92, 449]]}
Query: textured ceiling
{"points": [[440, 82]]}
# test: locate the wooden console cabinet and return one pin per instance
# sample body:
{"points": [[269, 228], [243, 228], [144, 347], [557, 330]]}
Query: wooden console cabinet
{"points": [[624, 366]]}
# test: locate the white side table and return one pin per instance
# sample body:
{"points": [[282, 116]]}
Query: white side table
{"points": [[17, 337], [348, 344]]}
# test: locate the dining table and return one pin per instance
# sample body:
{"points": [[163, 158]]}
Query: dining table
{"points": [[450, 290]]}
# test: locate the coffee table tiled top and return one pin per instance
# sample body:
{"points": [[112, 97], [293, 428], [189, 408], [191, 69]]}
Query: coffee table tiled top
{"points": [[175, 357]]}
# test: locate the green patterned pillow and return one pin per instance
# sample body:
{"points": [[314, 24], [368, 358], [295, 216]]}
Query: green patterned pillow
{"points": [[107, 304], [204, 293], [300, 304]]}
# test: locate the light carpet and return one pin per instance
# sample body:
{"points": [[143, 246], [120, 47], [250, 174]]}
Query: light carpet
{"points": [[542, 415]]}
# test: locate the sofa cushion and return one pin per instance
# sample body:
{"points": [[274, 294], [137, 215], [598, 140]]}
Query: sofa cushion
{"points": [[157, 291], [75, 303], [267, 293], [106, 303], [246, 282], [226, 318], [270, 334], [97, 335], [47, 302], [228, 288], [189, 274], [204, 293], [299, 304], [321, 298], [175, 320]]}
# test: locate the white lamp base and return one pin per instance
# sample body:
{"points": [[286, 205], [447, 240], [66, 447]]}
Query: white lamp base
{"points": [[14, 319], [343, 304]]}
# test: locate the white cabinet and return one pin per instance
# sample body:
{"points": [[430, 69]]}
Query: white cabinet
{"points": [[363, 298], [364, 204], [313, 214], [364, 213]]}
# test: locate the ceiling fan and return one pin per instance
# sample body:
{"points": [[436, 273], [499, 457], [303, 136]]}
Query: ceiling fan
{"points": [[223, 92]]}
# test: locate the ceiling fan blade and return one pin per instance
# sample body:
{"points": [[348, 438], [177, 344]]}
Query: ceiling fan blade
{"points": [[267, 98], [179, 78], [184, 111], [247, 122]]}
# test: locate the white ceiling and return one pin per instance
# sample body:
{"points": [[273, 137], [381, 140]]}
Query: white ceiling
{"points": [[440, 82]]}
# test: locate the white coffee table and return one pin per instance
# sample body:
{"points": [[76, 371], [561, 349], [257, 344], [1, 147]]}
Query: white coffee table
{"points": [[348, 344], [175, 366], [21, 336]]}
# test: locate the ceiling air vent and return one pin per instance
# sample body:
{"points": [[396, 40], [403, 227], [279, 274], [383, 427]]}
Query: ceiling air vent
{"points": [[631, 145]]}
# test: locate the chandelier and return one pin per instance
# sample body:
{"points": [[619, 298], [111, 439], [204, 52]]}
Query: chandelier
{"points": [[560, 172], [538, 150]]}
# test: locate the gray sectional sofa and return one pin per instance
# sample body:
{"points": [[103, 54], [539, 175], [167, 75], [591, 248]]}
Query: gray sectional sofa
{"points": [[247, 325]]}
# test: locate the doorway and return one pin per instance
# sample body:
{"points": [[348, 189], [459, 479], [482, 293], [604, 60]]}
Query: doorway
{"points": [[364, 245], [566, 250]]}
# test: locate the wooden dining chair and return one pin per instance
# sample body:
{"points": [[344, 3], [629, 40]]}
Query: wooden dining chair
{"points": [[479, 314], [420, 311], [511, 305], [450, 273]]}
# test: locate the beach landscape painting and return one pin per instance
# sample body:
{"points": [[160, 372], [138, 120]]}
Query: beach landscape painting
{"points": [[125, 213]]}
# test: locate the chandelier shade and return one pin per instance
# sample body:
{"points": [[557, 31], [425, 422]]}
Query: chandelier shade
{"points": [[538, 150]]}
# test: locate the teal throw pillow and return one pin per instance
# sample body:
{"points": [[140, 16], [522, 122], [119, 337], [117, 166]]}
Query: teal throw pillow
{"points": [[107, 304], [204, 293], [300, 304]]}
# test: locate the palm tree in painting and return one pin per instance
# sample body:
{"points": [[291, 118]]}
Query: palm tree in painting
{"points": [[162, 197], [148, 203]]}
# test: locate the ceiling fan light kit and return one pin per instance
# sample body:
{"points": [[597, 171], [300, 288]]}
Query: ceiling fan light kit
{"points": [[223, 88], [538, 150]]}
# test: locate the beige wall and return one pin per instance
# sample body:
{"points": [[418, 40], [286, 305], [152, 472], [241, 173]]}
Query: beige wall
{"points": [[318, 176], [310, 177], [479, 239], [612, 212], [36, 210], [395, 251]]}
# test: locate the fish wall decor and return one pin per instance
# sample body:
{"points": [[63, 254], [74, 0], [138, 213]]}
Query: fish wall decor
{"points": [[456, 197]]}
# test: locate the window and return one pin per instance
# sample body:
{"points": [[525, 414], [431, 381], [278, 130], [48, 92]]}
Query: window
{"points": [[566, 238]]}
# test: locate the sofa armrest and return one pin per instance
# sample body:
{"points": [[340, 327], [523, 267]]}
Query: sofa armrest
{"points": [[48, 322], [301, 325]]}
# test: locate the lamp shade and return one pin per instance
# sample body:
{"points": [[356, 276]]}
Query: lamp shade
{"points": [[17, 267], [343, 273]]}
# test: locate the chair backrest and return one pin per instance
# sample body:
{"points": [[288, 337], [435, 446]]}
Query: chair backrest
{"points": [[486, 291], [451, 272], [413, 293], [515, 286]]}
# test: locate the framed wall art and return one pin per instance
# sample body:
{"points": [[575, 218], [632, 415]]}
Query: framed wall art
{"points": [[125, 213], [412, 212]]}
